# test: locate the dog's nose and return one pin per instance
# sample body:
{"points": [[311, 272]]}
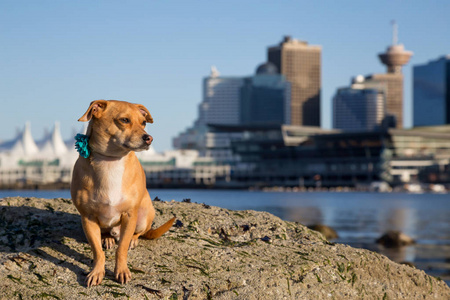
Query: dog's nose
{"points": [[147, 138]]}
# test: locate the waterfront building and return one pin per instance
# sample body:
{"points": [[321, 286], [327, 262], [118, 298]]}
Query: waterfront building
{"points": [[192, 138], [298, 156], [431, 88], [181, 168], [300, 63], [358, 107], [24, 162], [265, 97]]}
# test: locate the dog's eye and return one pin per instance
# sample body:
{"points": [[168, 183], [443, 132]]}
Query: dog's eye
{"points": [[125, 120]]}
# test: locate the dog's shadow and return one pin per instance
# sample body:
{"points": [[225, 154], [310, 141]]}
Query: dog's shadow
{"points": [[52, 235]]}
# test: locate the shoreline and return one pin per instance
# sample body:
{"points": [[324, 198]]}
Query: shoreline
{"points": [[399, 189]]}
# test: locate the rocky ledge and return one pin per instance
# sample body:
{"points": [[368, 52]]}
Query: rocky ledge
{"points": [[211, 253]]}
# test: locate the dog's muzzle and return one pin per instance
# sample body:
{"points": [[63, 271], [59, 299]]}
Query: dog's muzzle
{"points": [[147, 139]]}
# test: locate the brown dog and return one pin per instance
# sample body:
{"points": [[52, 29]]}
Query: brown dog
{"points": [[108, 187]]}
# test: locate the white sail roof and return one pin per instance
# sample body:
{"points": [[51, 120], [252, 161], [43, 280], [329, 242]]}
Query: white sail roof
{"points": [[53, 144], [23, 144]]}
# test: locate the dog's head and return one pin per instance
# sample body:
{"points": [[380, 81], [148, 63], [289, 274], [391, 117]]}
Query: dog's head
{"points": [[117, 127]]}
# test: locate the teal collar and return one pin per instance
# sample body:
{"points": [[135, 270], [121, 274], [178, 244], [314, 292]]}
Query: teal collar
{"points": [[81, 144]]}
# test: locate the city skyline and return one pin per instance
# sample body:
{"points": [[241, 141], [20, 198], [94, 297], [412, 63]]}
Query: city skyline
{"points": [[58, 57]]}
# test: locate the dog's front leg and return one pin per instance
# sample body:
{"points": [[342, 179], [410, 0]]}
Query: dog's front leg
{"points": [[127, 229], [93, 234]]}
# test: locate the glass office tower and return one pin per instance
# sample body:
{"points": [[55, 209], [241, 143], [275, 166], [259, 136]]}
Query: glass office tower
{"points": [[265, 97], [358, 108], [431, 87]]}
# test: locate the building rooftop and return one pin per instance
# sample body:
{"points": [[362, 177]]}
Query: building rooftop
{"points": [[288, 41], [267, 68]]}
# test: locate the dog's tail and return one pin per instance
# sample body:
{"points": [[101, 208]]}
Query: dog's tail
{"points": [[156, 233]]}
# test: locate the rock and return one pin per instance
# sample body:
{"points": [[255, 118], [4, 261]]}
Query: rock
{"points": [[408, 263], [327, 231], [394, 238], [216, 254]]}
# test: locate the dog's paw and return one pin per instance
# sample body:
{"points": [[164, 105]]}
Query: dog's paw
{"points": [[95, 277], [134, 242], [123, 275], [108, 242]]}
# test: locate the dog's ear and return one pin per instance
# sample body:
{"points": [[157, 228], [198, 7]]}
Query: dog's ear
{"points": [[145, 113], [95, 109]]}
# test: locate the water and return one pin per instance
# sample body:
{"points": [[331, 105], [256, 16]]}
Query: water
{"points": [[359, 218]]}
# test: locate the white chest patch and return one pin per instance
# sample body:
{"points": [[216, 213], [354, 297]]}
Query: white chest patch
{"points": [[114, 182], [110, 176]]}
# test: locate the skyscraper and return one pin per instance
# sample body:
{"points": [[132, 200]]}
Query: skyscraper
{"points": [[394, 58], [431, 99], [265, 97], [220, 103], [358, 107], [301, 64]]}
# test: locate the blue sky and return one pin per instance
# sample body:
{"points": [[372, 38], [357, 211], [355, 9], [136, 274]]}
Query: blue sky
{"points": [[57, 56]]}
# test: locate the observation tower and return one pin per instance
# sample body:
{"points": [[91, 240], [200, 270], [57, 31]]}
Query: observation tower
{"points": [[395, 56]]}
